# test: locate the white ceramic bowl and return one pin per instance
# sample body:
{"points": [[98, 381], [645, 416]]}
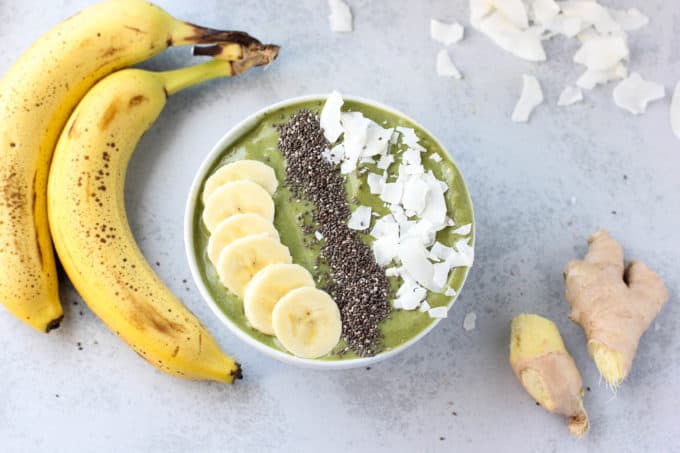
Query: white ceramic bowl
{"points": [[227, 140]]}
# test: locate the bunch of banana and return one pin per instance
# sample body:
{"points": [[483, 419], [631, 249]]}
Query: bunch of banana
{"points": [[85, 193], [36, 97], [279, 297]]}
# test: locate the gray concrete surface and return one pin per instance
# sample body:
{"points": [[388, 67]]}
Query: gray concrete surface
{"points": [[454, 391]]}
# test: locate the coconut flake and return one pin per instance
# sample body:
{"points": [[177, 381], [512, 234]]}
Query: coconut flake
{"points": [[568, 26], [675, 111], [385, 161], [375, 183], [438, 312], [469, 321], [435, 206], [409, 138], [411, 157], [531, 97], [634, 93], [525, 44], [543, 11], [413, 256], [340, 17], [463, 230], [445, 67], [591, 78], [424, 306], [415, 195], [570, 95], [385, 249], [602, 53], [385, 226], [318, 235], [393, 272], [377, 139], [513, 10], [629, 19], [463, 256], [479, 9], [440, 252], [330, 117], [360, 218], [590, 13], [335, 154], [392, 192], [446, 33], [450, 292], [440, 275], [436, 157]]}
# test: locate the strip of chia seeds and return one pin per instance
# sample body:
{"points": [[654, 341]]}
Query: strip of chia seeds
{"points": [[357, 283]]}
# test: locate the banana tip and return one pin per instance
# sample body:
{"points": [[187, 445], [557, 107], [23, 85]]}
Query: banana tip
{"points": [[53, 324]]}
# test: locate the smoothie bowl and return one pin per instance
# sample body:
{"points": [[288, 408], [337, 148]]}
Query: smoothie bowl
{"points": [[329, 232]]}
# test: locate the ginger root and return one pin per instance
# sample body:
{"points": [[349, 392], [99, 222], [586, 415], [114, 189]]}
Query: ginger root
{"points": [[546, 370], [613, 305]]}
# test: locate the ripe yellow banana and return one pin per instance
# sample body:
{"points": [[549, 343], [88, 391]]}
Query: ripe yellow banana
{"points": [[89, 225], [36, 97]]}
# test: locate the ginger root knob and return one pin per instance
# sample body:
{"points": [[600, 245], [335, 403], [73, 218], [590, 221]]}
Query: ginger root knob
{"points": [[546, 370]]}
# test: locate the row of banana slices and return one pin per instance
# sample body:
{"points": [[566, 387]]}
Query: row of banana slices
{"points": [[279, 297]]}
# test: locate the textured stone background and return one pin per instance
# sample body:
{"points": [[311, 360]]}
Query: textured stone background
{"points": [[522, 177]]}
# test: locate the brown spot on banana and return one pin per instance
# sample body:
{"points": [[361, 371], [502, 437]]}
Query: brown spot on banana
{"points": [[72, 131], [135, 29], [174, 353], [143, 315], [108, 116], [136, 100], [111, 51]]}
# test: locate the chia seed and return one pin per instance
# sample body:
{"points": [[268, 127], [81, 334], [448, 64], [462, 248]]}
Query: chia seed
{"points": [[356, 282]]}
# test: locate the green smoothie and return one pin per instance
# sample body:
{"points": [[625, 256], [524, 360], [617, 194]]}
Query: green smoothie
{"points": [[260, 143]]}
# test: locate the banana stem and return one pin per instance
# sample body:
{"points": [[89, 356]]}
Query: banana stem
{"points": [[179, 79], [188, 33]]}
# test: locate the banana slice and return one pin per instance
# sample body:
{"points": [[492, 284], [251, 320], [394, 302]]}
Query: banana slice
{"points": [[237, 197], [307, 322], [236, 227], [243, 258], [267, 287], [250, 170]]}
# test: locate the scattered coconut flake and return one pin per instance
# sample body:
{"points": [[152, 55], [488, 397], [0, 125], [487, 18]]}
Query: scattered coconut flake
{"points": [[463, 256], [568, 26], [410, 295], [413, 256], [438, 312], [513, 10], [377, 139], [543, 11], [675, 111], [629, 19], [409, 138], [634, 93], [385, 226], [360, 218], [591, 78], [385, 249], [392, 192], [445, 67], [411, 169], [570, 95], [411, 157], [393, 272], [436, 157], [330, 117], [602, 53], [463, 230], [446, 33], [525, 44], [469, 321], [450, 292], [531, 97], [385, 161], [590, 13], [440, 275], [435, 206], [415, 195], [450, 222], [440, 252], [375, 183], [335, 154], [318, 235], [340, 17], [424, 306]]}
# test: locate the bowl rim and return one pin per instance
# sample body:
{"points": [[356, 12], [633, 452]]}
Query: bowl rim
{"points": [[232, 135]]}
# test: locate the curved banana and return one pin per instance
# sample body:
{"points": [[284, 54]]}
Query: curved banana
{"points": [[36, 97], [90, 230]]}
